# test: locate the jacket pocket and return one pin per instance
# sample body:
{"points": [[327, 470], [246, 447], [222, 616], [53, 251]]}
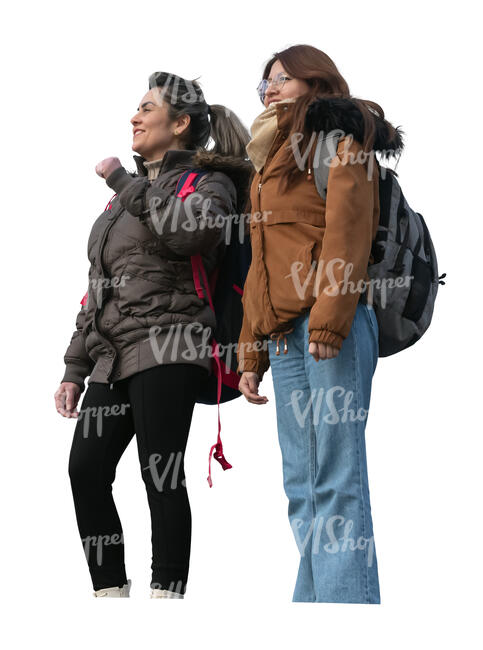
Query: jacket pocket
{"points": [[290, 256], [293, 216]]}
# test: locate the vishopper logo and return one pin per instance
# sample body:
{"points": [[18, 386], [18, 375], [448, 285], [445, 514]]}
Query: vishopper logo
{"points": [[96, 413], [175, 460], [169, 90], [195, 214], [253, 346], [259, 216], [98, 284], [335, 403], [98, 542], [334, 284], [175, 589], [182, 340], [344, 157], [335, 544], [166, 88]]}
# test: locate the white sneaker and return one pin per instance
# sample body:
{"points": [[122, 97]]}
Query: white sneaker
{"points": [[164, 593], [114, 592]]}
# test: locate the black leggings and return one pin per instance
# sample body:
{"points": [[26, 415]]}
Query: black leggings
{"points": [[157, 404]]}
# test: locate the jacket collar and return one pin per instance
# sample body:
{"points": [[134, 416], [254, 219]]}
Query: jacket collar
{"points": [[172, 158]]}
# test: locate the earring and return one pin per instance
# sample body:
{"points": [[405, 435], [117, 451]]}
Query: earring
{"points": [[176, 132]]}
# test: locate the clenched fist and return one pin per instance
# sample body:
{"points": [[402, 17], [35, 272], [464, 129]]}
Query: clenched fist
{"points": [[322, 351], [107, 166]]}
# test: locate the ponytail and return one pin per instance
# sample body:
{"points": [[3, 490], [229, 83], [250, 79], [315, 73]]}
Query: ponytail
{"points": [[227, 132]]}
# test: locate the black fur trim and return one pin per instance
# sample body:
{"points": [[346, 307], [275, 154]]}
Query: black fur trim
{"points": [[329, 113]]}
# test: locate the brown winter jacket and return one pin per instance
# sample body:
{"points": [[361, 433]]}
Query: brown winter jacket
{"points": [[296, 235], [142, 307]]}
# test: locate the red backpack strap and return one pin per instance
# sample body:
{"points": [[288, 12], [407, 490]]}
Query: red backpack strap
{"points": [[184, 188], [217, 448], [109, 205]]}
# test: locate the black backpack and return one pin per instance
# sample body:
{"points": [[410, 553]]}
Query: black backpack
{"points": [[404, 275]]}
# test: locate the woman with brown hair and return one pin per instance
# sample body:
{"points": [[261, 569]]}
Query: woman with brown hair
{"points": [[307, 285], [143, 333]]}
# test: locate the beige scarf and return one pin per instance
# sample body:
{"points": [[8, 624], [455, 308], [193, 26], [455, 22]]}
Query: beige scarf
{"points": [[263, 132]]}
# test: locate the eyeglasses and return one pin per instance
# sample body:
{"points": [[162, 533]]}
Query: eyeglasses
{"points": [[277, 82]]}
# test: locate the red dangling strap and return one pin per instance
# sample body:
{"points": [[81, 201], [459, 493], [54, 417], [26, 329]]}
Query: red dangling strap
{"points": [[197, 266], [217, 448]]}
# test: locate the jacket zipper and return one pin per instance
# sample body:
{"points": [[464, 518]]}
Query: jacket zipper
{"points": [[98, 310]]}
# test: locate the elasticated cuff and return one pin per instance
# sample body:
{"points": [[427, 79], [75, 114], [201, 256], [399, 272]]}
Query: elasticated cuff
{"points": [[326, 336]]}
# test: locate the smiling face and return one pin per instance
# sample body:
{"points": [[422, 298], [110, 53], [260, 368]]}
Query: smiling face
{"points": [[154, 132], [290, 88]]}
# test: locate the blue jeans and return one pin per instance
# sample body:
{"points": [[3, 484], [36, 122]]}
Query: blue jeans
{"points": [[322, 410]]}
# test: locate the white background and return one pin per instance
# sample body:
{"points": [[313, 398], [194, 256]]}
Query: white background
{"points": [[72, 77]]}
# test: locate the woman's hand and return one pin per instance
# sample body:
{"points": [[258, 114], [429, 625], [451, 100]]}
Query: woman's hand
{"points": [[322, 351], [66, 398], [249, 387], [107, 166]]}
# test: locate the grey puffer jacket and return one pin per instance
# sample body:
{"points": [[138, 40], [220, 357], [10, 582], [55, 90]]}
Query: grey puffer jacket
{"points": [[142, 307]]}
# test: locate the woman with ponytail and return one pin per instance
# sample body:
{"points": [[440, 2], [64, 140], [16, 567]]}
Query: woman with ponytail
{"points": [[307, 285], [143, 333]]}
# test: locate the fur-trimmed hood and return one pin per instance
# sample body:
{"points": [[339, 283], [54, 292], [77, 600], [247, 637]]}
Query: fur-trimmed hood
{"points": [[329, 113], [240, 171]]}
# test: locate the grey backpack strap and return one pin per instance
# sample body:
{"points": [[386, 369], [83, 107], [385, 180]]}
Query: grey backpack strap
{"points": [[325, 151]]}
